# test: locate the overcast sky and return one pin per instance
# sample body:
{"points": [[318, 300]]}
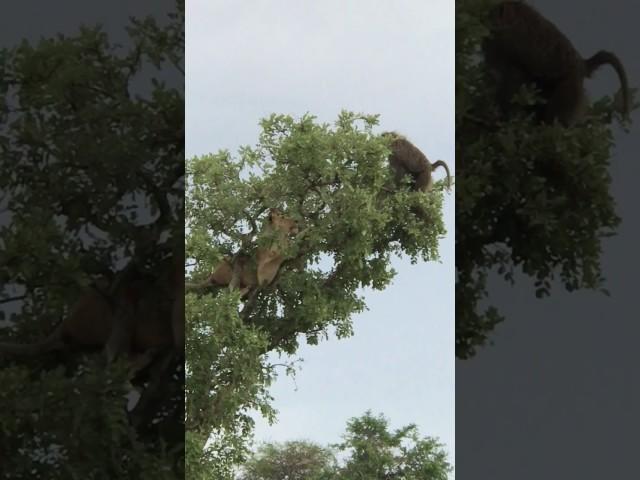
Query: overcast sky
{"points": [[246, 60]]}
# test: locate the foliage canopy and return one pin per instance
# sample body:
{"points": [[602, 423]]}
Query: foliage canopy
{"points": [[534, 199], [369, 450], [334, 182]]}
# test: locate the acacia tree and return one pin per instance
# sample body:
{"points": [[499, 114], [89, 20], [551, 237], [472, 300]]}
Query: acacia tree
{"points": [[293, 460], [534, 200], [92, 155], [335, 183], [369, 451], [376, 453]]}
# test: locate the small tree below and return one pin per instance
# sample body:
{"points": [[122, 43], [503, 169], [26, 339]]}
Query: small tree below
{"points": [[294, 460], [372, 453]]}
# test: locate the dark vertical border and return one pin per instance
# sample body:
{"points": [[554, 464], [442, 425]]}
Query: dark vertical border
{"points": [[553, 393], [92, 240]]}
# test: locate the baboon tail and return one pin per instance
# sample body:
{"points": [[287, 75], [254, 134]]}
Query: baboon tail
{"points": [[440, 163], [49, 344], [604, 57]]}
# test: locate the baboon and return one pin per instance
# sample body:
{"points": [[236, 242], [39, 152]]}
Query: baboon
{"points": [[525, 48], [407, 159], [263, 269]]}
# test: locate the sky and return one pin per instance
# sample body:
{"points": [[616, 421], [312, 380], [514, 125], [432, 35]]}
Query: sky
{"points": [[246, 60], [557, 394]]}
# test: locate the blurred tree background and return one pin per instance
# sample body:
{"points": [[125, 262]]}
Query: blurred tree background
{"points": [[92, 155], [334, 182], [534, 199]]}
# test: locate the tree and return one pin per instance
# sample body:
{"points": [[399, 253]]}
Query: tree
{"points": [[335, 184], [227, 376], [378, 454], [294, 460], [91, 151], [371, 452], [533, 200]]}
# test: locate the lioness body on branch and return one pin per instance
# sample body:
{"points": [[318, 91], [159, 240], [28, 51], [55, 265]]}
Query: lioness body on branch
{"points": [[262, 270], [156, 309]]}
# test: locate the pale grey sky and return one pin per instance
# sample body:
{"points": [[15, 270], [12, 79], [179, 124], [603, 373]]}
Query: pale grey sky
{"points": [[246, 60]]}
